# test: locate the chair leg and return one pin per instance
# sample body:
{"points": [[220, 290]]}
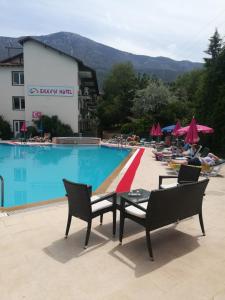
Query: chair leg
{"points": [[114, 222], [149, 245], [121, 227], [88, 234], [201, 223], [101, 219], [68, 226]]}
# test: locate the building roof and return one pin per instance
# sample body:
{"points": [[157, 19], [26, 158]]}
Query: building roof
{"points": [[15, 60], [82, 66], [10, 58], [35, 39], [11, 65], [8, 62]]}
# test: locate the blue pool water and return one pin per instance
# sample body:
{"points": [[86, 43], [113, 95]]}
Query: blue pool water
{"points": [[34, 173]]}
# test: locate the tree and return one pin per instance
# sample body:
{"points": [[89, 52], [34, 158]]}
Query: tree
{"points": [[138, 127], [176, 110], [142, 80], [212, 104], [210, 107], [214, 48], [54, 126], [150, 100], [119, 87], [186, 86], [5, 129]]}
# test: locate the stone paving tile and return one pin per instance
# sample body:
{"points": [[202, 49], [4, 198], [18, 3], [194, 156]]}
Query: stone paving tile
{"points": [[220, 295], [185, 292], [141, 288]]}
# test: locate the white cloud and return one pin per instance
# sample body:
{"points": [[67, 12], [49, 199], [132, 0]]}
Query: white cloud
{"points": [[175, 28]]}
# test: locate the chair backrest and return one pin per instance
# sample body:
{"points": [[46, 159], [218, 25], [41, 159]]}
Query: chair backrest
{"points": [[204, 152], [177, 203], [78, 199], [188, 173], [197, 152]]}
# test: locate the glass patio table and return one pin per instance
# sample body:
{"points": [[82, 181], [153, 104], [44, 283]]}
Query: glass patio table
{"points": [[136, 196]]}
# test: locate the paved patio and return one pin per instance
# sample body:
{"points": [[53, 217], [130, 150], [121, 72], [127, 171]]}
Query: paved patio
{"points": [[36, 262]]}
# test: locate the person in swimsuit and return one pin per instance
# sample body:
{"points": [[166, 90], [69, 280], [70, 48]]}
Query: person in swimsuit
{"points": [[209, 160]]}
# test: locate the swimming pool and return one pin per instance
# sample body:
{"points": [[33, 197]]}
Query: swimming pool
{"points": [[34, 173]]}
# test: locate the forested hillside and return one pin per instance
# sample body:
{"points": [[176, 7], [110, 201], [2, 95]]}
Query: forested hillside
{"points": [[102, 58]]}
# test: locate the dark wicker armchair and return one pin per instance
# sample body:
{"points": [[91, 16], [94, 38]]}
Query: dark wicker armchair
{"points": [[85, 207], [186, 174], [165, 207]]}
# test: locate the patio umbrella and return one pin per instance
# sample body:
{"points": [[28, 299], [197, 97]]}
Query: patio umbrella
{"points": [[23, 129], [200, 128], [158, 131], [192, 133], [168, 129], [152, 131], [176, 128]]}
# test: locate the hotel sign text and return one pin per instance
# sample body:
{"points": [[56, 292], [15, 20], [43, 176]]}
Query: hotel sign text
{"points": [[61, 91]]}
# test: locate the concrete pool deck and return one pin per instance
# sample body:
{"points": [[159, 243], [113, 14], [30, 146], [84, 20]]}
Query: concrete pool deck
{"points": [[36, 262]]}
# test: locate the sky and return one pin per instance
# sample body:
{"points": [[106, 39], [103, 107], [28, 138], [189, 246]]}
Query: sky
{"points": [[172, 28]]}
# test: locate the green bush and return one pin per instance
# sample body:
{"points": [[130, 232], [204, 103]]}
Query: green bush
{"points": [[54, 126], [127, 128], [5, 129], [138, 127], [31, 131]]}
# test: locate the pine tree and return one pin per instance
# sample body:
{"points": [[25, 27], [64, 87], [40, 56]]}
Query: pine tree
{"points": [[214, 49]]}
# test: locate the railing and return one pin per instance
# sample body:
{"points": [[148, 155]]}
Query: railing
{"points": [[2, 191]]}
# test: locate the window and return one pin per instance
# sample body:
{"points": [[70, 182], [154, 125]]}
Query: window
{"points": [[18, 103], [17, 78], [17, 125]]}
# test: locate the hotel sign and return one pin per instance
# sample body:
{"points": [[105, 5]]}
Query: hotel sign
{"points": [[60, 91]]}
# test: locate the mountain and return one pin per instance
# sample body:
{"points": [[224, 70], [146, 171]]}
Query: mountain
{"points": [[101, 57]]}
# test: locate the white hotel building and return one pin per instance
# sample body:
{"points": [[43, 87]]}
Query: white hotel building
{"points": [[44, 80]]}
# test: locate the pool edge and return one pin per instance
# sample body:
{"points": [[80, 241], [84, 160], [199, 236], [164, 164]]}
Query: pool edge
{"points": [[107, 182]]}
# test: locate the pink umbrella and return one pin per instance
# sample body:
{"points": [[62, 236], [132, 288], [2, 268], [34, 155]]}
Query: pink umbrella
{"points": [[204, 129], [152, 131], [177, 127], [23, 127], [158, 131], [200, 128], [192, 134]]}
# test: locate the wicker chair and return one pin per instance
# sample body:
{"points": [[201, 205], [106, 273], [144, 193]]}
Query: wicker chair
{"points": [[186, 174], [204, 152], [85, 207], [165, 207]]}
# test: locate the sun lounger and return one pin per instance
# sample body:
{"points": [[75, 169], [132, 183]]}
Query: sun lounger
{"points": [[213, 170], [206, 170]]}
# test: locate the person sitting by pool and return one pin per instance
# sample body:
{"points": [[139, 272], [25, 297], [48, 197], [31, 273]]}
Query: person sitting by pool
{"points": [[133, 140], [209, 160], [185, 151], [191, 151], [185, 146]]}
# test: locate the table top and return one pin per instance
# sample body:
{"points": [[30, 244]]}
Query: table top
{"points": [[138, 196]]}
